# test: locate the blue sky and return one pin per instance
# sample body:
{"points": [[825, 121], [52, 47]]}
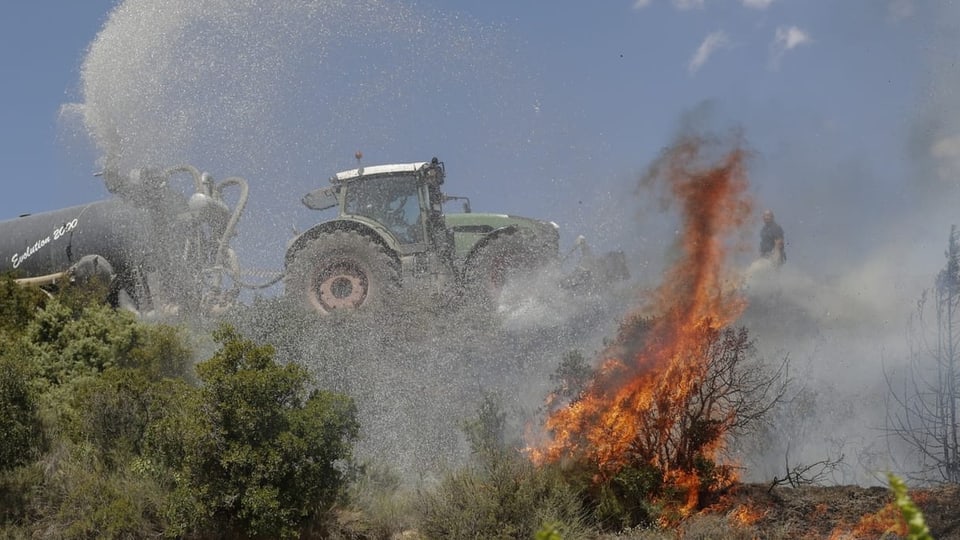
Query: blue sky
{"points": [[545, 109]]}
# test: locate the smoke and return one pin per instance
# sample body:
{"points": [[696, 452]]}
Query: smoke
{"points": [[862, 244]]}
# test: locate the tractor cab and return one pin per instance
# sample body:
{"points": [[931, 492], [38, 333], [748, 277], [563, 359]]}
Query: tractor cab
{"points": [[404, 199]]}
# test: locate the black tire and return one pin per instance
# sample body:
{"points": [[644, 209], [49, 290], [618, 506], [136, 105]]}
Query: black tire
{"points": [[514, 256], [342, 270]]}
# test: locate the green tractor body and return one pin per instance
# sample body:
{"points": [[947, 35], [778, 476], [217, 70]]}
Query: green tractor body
{"points": [[391, 229]]}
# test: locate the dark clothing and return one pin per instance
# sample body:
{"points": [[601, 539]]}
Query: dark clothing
{"points": [[769, 235]]}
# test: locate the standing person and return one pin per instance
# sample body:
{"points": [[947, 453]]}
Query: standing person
{"points": [[771, 240]]}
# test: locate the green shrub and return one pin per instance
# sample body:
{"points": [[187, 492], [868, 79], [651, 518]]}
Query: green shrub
{"points": [[84, 382], [504, 496], [377, 505], [513, 501], [17, 488], [18, 306], [22, 435], [66, 343], [626, 500], [136, 451], [109, 505], [82, 497], [114, 411], [257, 454]]}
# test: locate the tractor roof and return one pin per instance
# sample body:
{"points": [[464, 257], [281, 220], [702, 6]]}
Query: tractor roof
{"points": [[353, 174]]}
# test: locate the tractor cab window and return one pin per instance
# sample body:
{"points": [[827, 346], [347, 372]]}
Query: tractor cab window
{"points": [[393, 201]]}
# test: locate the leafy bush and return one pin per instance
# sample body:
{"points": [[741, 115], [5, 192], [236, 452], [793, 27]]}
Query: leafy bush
{"points": [[64, 344], [113, 412], [378, 504], [79, 381], [513, 501], [626, 500], [18, 305], [135, 450], [83, 497], [504, 495], [21, 438], [258, 455]]}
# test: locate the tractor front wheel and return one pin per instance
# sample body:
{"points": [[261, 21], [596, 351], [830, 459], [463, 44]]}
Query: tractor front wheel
{"points": [[342, 270]]}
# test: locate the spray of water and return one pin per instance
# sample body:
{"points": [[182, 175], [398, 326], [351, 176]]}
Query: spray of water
{"points": [[282, 93]]}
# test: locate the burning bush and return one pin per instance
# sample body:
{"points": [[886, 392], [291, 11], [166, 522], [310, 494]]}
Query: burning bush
{"points": [[655, 457], [678, 380]]}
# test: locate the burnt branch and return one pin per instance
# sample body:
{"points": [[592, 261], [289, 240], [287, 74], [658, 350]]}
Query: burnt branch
{"points": [[732, 393], [801, 474], [923, 402]]}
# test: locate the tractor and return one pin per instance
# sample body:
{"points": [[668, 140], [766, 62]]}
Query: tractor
{"points": [[391, 230]]}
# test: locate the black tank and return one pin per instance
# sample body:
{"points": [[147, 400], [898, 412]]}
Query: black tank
{"points": [[51, 242]]}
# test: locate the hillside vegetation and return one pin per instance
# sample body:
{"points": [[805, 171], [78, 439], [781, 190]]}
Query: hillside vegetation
{"points": [[118, 428]]}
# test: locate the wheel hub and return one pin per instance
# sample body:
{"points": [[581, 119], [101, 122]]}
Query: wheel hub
{"points": [[343, 285]]}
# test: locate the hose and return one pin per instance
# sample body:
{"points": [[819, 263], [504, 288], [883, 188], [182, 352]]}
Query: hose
{"points": [[195, 172], [223, 247], [228, 231], [41, 280]]}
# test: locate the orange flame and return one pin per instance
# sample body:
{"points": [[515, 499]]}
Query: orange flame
{"points": [[650, 374], [746, 515], [883, 522]]}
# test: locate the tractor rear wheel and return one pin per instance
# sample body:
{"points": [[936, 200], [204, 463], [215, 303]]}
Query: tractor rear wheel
{"points": [[342, 270], [504, 259]]}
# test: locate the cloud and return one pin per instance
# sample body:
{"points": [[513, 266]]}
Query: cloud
{"points": [[685, 5], [786, 38], [789, 38], [711, 43], [689, 5]]}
